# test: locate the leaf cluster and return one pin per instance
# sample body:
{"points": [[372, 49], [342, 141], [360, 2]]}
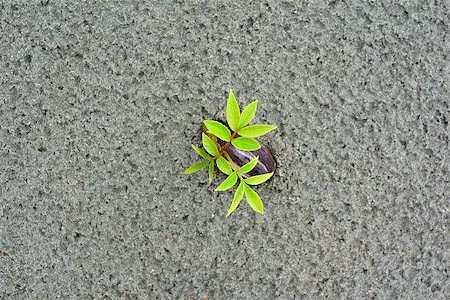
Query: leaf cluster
{"points": [[242, 136]]}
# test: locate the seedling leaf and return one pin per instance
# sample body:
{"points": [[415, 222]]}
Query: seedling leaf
{"points": [[249, 166], [237, 198], [246, 144], [258, 179], [211, 171], [196, 167], [201, 152], [254, 200], [233, 112], [209, 145], [218, 129], [228, 183], [253, 131], [248, 113], [223, 165]]}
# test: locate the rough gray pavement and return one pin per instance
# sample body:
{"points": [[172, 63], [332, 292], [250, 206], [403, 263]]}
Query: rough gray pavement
{"points": [[99, 104]]}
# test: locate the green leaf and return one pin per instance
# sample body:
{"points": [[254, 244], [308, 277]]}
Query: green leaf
{"points": [[201, 152], [258, 179], [228, 183], [223, 165], [254, 200], [253, 131], [246, 144], [233, 112], [209, 145], [218, 129], [249, 166], [248, 113], [196, 167], [211, 171], [237, 198]]}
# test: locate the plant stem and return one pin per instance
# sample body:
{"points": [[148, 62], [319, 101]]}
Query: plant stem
{"points": [[222, 151], [224, 148], [233, 165]]}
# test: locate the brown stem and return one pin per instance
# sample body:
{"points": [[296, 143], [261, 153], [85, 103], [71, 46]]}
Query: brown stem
{"points": [[224, 147], [233, 165]]}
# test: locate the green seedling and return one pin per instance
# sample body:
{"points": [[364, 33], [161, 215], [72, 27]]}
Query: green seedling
{"points": [[222, 143]]}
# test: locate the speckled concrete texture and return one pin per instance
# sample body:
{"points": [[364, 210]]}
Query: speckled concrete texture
{"points": [[99, 104]]}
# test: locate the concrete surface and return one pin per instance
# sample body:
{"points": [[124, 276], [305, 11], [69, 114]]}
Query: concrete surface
{"points": [[99, 105]]}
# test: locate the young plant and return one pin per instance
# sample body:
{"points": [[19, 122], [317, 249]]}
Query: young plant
{"points": [[236, 153]]}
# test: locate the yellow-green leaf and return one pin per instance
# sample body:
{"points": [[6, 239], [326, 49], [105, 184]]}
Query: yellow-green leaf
{"points": [[218, 129], [223, 165], [196, 167], [209, 145], [237, 198], [228, 183], [246, 144], [249, 166], [258, 179], [211, 171], [253, 131], [248, 113], [233, 112], [201, 152], [254, 200]]}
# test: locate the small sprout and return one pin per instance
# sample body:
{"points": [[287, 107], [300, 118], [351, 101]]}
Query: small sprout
{"points": [[236, 153]]}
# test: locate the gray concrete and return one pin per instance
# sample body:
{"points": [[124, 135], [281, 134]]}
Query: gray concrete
{"points": [[99, 105]]}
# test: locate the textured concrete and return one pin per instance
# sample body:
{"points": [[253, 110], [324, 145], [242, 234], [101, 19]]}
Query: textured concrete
{"points": [[99, 105]]}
